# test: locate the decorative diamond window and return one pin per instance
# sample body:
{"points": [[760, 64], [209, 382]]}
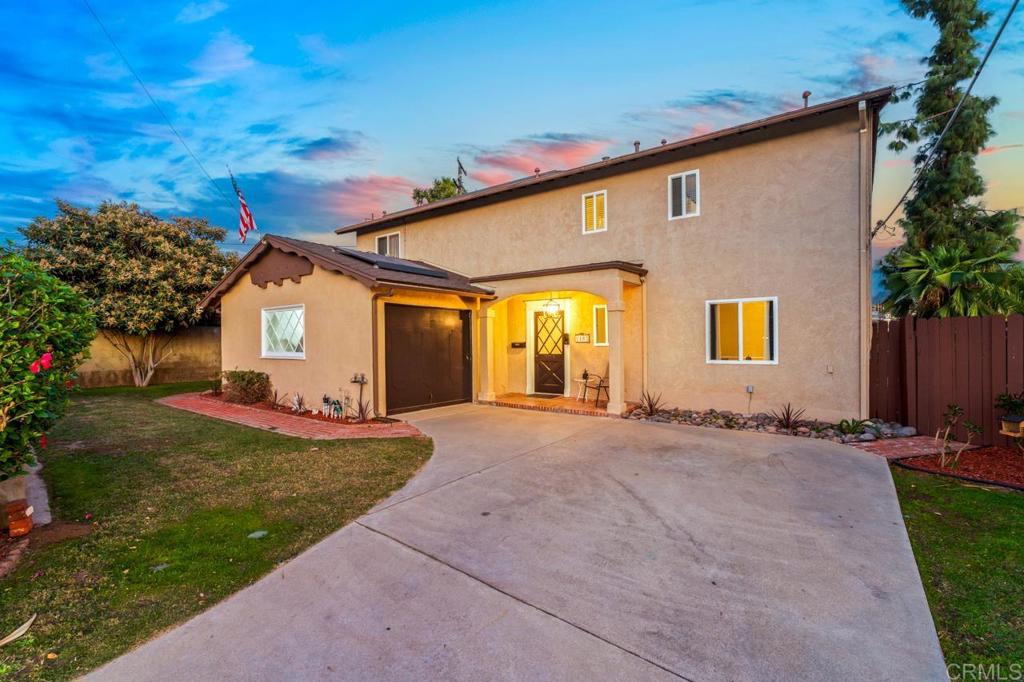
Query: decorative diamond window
{"points": [[284, 332]]}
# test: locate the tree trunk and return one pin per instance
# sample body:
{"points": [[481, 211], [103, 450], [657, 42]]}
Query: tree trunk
{"points": [[142, 362]]}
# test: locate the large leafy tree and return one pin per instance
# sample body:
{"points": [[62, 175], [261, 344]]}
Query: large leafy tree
{"points": [[443, 188], [45, 330], [943, 209], [143, 275]]}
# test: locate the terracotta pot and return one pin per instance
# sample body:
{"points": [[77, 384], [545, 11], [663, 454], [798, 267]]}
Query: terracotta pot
{"points": [[11, 490]]}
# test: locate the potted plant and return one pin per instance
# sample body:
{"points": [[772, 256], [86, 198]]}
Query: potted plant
{"points": [[1012, 404]]}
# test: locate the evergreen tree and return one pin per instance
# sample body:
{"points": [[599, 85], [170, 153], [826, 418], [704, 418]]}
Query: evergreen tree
{"points": [[942, 210]]}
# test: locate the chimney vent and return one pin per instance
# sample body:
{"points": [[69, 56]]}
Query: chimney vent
{"points": [[664, 141], [536, 172], [806, 96], [636, 145], [605, 158]]}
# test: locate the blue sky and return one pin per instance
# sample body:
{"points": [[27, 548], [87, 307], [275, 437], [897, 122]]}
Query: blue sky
{"points": [[328, 111]]}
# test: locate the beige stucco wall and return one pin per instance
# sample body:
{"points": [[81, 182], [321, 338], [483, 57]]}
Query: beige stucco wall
{"points": [[195, 356], [781, 217], [337, 334]]}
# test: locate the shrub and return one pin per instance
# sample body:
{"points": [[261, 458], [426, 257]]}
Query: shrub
{"points": [[45, 331], [852, 427], [787, 417], [247, 386], [1011, 403]]}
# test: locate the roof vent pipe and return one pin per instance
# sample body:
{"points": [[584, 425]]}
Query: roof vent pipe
{"points": [[806, 96], [605, 158], [664, 141], [636, 145], [536, 172]]}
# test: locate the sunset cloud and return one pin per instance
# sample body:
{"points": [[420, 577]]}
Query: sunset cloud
{"points": [[995, 149], [225, 55], [548, 151], [341, 144]]}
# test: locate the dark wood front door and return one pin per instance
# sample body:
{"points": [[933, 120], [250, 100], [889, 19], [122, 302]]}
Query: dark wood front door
{"points": [[428, 358], [549, 352]]}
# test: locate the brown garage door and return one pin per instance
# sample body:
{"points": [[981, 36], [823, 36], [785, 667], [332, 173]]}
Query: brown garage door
{"points": [[427, 357]]}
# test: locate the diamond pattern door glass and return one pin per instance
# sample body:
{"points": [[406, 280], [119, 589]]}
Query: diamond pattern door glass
{"points": [[549, 334], [284, 332]]}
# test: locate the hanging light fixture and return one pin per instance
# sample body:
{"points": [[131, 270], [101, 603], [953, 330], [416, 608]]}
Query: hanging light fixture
{"points": [[551, 308]]}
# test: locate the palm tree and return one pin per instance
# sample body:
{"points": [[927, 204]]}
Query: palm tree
{"points": [[949, 281]]}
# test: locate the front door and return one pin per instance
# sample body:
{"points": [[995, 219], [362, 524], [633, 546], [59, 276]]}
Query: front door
{"points": [[549, 352]]}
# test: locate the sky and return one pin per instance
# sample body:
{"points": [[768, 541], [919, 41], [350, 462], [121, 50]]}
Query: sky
{"points": [[327, 112]]}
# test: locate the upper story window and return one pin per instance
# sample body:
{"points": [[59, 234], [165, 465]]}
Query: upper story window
{"points": [[743, 330], [284, 332], [390, 244], [595, 212], [684, 195]]}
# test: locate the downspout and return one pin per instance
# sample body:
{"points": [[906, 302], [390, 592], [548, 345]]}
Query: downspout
{"points": [[384, 293], [864, 264]]}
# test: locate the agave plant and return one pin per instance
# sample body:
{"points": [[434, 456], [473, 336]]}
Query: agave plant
{"points": [[787, 417], [650, 404]]}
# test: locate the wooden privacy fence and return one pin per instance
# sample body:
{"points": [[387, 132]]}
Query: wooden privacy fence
{"points": [[919, 366]]}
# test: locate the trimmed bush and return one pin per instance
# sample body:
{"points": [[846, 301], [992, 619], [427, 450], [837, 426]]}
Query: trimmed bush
{"points": [[246, 386], [45, 331]]}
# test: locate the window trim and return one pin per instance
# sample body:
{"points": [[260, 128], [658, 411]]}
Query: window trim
{"points": [[594, 328], [707, 330], [269, 355], [583, 211], [695, 172], [386, 236]]}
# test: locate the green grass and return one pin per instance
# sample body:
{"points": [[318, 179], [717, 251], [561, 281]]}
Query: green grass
{"points": [[171, 490], [969, 545]]}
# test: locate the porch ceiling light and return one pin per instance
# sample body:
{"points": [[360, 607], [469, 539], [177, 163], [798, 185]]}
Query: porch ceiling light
{"points": [[551, 308]]}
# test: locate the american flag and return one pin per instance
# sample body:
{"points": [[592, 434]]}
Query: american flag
{"points": [[245, 220]]}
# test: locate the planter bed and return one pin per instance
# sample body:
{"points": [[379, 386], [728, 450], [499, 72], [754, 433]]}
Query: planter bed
{"points": [[995, 465], [314, 414]]}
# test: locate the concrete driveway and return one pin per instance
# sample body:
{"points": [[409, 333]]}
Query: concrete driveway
{"points": [[543, 546]]}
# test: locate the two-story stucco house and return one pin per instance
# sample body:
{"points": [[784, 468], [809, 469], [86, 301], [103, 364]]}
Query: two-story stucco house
{"points": [[730, 270]]}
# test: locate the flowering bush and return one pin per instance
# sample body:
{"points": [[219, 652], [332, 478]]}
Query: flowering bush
{"points": [[247, 386], [45, 330], [143, 275]]}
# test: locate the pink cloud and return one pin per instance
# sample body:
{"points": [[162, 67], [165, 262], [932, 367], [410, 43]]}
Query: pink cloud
{"points": [[995, 149], [551, 151], [702, 128], [370, 194]]}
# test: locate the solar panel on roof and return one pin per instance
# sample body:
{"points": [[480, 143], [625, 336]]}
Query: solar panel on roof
{"points": [[393, 264]]}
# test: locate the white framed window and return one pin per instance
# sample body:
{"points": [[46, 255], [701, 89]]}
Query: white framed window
{"points": [[684, 195], [743, 331], [284, 332], [595, 212], [600, 325], [390, 244]]}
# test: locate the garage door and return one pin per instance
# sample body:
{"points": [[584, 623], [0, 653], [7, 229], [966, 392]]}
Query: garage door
{"points": [[427, 357]]}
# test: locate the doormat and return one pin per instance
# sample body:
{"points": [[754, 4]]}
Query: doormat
{"points": [[545, 396]]}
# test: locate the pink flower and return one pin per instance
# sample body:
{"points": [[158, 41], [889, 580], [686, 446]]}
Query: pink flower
{"points": [[42, 442], [34, 367], [46, 360]]}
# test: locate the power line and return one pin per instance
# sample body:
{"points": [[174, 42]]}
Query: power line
{"points": [[156, 105], [935, 147]]}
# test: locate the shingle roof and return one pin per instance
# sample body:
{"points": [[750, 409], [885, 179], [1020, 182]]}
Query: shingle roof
{"points": [[665, 153], [369, 269]]}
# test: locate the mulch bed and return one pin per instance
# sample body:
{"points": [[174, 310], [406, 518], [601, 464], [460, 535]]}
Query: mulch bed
{"points": [[316, 416], [996, 465]]}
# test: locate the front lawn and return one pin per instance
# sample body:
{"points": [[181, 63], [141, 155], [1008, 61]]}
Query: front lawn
{"points": [[969, 544], [171, 498]]}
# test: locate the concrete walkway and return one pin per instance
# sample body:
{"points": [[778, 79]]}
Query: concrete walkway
{"points": [[540, 546]]}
